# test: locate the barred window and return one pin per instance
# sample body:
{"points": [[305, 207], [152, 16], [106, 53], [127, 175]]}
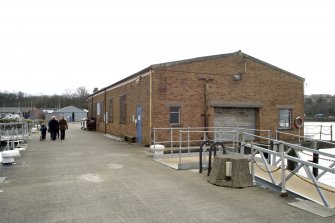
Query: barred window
{"points": [[123, 109], [285, 118], [99, 108], [174, 115], [110, 110]]}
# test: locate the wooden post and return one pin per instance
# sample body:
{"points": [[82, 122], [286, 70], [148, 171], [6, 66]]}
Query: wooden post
{"points": [[331, 133], [315, 160], [291, 165]]}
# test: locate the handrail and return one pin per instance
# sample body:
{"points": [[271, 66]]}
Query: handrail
{"points": [[210, 155], [13, 132], [322, 130], [200, 153], [283, 156], [278, 150]]}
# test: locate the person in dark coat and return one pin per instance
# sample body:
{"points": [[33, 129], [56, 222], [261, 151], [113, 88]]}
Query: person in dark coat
{"points": [[53, 126], [62, 126], [57, 130], [43, 130]]}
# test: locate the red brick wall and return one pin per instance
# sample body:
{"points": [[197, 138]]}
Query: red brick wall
{"points": [[99, 98], [183, 85], [137, 94], [260, 84]]}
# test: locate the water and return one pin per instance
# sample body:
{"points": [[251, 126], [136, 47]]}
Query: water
{"points": [[327, 178]]}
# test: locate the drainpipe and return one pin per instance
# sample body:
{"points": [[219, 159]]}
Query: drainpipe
{"points": [[105, 102], [205, 105], [206, 87], [150, 104]]}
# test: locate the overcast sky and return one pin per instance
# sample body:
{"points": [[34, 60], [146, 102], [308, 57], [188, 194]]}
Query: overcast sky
{"points": [[49, 47]]}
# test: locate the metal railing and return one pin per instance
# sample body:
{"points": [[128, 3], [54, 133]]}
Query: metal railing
{"points": [[281, 155], [14, 133], [185, 140], [267, 154], [170, 137], [321, 131]]}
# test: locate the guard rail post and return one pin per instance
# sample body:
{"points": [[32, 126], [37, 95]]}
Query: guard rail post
{"points": [[315, 159], [180, 146], [283, 177], [252, 152]]}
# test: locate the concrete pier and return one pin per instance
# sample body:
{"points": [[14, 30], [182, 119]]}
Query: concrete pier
{"points": [[91, 178]]}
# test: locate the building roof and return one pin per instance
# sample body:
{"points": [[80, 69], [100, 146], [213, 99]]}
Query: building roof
{"points": [[9, 110], [70, 109], [48, 111], [174, 63]]}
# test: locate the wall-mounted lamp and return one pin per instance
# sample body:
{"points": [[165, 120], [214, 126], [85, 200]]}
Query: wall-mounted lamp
{"points": [[237, 77], [138, 79]]}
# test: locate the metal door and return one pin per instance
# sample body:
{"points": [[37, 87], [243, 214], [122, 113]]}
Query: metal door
{"points": [[236, 118], [139, 124]]}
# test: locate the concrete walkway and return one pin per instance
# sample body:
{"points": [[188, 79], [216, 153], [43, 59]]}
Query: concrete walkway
{"points": [[91, 178]]}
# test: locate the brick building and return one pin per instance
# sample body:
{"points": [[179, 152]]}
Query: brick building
{"points": [[232, 89]]}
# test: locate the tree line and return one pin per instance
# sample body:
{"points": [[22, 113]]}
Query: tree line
{"points": [[320, 107], [78, 98]]}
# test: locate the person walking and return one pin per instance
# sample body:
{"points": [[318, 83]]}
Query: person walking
{"points": [[57, 130], [53, 126], [43, 130], [62, 126]]}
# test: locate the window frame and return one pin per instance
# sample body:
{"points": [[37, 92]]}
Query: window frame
{"points": [[110, 110], [123, 108], [98, 108], [286, 119], [173, 113]]}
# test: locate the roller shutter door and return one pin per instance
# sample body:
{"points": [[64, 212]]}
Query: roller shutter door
{"points": [[235, 118]]}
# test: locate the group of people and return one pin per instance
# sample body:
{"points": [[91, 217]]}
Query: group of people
{"points": [[54, 126]]}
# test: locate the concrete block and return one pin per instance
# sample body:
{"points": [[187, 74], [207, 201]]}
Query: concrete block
{"points": [[8, 156], [157, 149], [241, 176]]}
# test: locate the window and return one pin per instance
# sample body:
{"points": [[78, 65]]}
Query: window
{"points": [[98, 108], [284, 118], [110, 112], [174, 115], [123, 110]]}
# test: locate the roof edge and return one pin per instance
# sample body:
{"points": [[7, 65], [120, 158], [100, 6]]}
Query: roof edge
{"points": [[273, 67], [121, 81], [196, 59]]}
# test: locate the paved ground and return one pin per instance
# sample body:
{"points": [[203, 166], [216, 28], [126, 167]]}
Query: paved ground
{"points": [[91, 178]]}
